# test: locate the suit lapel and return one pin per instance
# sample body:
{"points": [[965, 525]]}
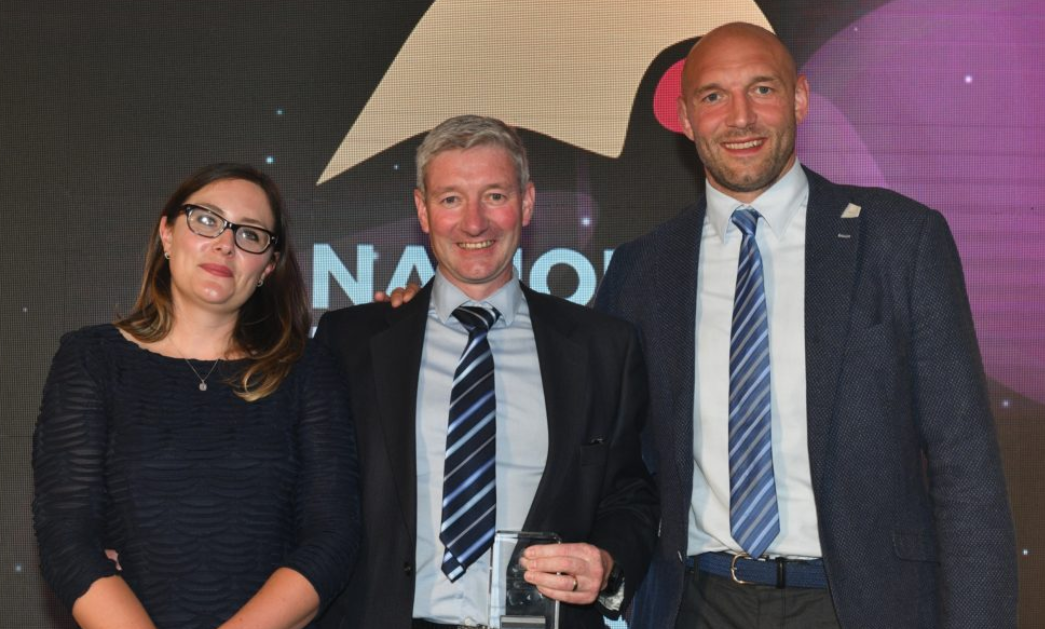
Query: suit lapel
{"points": [[564, 376], [832, 256], [396, 359], [675, 286]]}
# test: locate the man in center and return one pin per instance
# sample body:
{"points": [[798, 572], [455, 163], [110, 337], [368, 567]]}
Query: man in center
{"points": [[482, 405]]}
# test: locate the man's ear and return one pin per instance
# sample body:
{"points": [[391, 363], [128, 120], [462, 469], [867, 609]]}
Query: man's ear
{"points": [[422, 210], [528, 200], [683, 114], [801, 98]]}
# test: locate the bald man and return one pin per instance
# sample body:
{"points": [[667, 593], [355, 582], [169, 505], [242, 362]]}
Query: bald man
{"points": [[820, 432]]}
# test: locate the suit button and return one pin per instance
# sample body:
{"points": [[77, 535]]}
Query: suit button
{"points": [[408, 568]]}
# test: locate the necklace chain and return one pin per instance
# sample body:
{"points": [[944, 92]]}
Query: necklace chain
{"points": [[202, 379]]}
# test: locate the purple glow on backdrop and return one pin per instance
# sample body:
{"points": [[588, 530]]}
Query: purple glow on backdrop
{"points": [[949, 98]]}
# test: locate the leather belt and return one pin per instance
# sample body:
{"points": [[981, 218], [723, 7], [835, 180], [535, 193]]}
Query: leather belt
{"points": [[420, 623], [779, 572]]}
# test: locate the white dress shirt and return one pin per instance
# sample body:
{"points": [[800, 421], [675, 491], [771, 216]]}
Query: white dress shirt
{"points": [[781, 241], [522, 442]]}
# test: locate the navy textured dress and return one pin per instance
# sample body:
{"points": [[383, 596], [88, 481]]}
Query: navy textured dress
{"points": [[202, 494]]}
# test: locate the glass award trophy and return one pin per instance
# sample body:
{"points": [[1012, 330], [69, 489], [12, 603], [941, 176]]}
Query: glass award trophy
{"points": [[514, 603]]}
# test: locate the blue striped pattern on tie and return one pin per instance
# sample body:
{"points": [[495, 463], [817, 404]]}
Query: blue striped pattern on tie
{"points": [[753, 514], [469, 475]]}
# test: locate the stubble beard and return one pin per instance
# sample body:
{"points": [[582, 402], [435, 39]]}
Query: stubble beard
{"points": [[747, 180]]}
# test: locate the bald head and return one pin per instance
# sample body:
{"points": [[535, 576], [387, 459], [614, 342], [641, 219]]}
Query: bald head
{"points": [[741, 102], [736, 36]]}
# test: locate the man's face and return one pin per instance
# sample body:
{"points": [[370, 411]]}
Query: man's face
{"points": [[741, 104], [474, 212]]}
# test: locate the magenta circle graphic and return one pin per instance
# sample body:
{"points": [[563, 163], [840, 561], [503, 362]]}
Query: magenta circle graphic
{"points": [[665, 97]]}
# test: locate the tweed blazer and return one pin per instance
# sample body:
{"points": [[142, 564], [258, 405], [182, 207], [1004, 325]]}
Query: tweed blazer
{"points": [[913, 516]]}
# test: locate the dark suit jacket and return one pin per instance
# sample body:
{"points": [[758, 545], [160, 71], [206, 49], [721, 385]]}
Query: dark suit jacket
{"points": [[595, 487], [913, 516]]}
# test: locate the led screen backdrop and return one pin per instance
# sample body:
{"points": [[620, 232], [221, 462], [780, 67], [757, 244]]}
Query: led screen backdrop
{"points": [[106, 105]]}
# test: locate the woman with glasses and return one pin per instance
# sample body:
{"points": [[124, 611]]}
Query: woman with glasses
{"points": [[195, 462]]}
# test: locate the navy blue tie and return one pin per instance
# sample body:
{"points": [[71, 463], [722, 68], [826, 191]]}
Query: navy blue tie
{"points": [[753, 514], [469, 475]]}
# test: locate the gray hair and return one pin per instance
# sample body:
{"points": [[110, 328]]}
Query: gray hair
{"points": [[465, 132]]}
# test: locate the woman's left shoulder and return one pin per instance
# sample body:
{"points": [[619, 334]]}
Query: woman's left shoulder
{"points": [[316, 356], [317, 364]]}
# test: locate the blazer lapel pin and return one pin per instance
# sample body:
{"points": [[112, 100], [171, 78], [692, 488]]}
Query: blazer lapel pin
{"points": [[851, 211]]}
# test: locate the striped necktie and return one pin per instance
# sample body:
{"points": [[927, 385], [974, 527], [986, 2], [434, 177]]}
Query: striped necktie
{"points": [[469, 487], [753, 515]]}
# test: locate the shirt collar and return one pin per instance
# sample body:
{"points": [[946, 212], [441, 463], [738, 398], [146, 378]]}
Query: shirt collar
{"points": [[777, 205], [446, 298]]}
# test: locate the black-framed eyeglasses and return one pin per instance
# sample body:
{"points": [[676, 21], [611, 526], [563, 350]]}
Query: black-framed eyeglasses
{"points": [[206, 223]]}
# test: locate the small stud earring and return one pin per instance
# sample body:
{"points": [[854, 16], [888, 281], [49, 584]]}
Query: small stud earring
{"points": [[166, 255], [260, 282]]}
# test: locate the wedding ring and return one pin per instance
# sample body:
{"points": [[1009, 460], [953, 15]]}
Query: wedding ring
{"points": [[574, 583]]}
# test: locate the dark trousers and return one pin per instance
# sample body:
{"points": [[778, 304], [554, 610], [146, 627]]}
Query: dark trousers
{"points": [[714, 602]]}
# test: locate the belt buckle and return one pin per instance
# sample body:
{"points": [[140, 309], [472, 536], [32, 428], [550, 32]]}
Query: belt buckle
{"points": [[733, 569]]}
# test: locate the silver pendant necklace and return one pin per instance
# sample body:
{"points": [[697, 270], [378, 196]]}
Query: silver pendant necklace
{"points": [[202, 379]]}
